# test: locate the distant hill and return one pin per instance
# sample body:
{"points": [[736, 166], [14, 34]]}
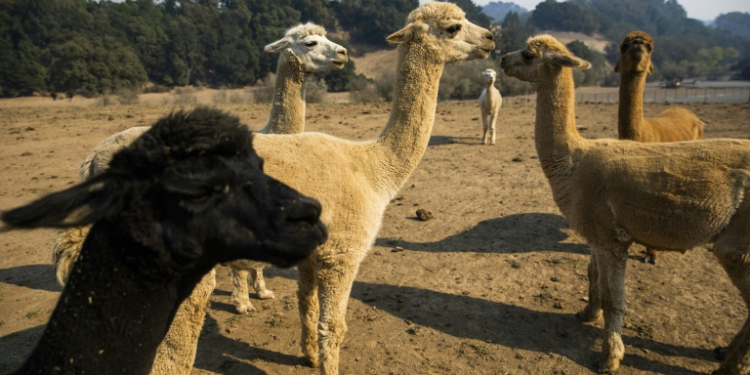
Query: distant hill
{"points": [[498, 9], [735, 23]]}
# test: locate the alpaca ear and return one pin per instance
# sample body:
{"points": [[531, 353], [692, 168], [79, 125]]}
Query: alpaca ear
{"points": [[567, 61], [278, 45], [79, 205], [650, 68], [407, 33]]}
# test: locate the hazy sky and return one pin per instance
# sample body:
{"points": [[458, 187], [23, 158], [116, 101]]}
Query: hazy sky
{"points": [[698, 9]]}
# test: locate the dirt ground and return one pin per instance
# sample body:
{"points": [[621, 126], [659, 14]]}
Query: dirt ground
{"points": [[489, 286]]}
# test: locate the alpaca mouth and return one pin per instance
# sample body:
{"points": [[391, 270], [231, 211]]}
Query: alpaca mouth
{"points": [[339, 63]]}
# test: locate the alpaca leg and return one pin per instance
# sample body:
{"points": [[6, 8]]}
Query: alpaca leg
{"points": [[485, 126], [176, 354], [611, 262], [493, 120], [259, 283], [309, 311], [67, 246], [593, 310], [732, 250], [240, 291], [335, 279]]}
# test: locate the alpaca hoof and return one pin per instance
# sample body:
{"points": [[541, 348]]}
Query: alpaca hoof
{"points": [[266, 294], [608, 366], [589, 317], [245, 308], [312, 363]]}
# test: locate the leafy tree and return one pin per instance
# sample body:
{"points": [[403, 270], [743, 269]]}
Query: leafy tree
{"points": [[473, 12], [371, 21]]}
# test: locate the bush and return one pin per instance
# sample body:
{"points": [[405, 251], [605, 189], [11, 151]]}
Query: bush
{"points": [[316, 90], [185, 95], [369, 94], [265, 90], [127, 96], [156, 89]]}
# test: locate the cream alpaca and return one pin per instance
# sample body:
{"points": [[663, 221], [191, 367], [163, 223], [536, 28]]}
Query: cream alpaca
{"points": [[490, 102], [304, 50], [354, 181], [672, 125], [614, 193]]}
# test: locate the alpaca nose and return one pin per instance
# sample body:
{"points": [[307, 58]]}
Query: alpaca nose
{"points": [[488, 35], [341, 51], [304, 209]]}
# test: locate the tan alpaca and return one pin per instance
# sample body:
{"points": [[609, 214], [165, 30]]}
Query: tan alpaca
{"points": [[304, 50], [355, 181], [672, 125], [490, 102], [614, 193]]}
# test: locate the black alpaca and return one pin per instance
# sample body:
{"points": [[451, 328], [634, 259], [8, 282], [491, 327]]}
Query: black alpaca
{"points": [[188, 194]]}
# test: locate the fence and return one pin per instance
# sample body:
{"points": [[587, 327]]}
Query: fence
{"points": [[657, 95]]}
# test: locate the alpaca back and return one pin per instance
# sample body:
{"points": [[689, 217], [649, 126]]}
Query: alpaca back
{"points": [[673, 125]]}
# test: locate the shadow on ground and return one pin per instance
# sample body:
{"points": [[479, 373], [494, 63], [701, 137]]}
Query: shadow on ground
{"points": [[33, 276], [512, 234], [514, 327]]}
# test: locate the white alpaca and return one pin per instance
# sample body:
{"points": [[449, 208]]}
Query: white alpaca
{"points": [[490, 102], [355, 181], [670, 196]]}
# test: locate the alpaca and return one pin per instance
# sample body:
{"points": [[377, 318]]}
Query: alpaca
{"points": [[164, 214], [617, 192], [490, 102], [355, 181], [304, 50], [672, 125]]}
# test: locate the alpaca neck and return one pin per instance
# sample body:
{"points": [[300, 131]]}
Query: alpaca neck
{"points": [[630, 112], [490, 93], [114, 311], [556, 133], [288, 108], [404, 139]]}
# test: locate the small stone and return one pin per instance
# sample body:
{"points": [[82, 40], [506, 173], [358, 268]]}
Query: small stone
{"points": [[397, 249], [424, 215]]}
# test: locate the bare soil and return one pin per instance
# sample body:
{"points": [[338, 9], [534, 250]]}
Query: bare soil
{"points": [[489, 285]]}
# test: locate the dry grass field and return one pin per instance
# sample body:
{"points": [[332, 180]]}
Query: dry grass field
{"points": [[489, 286]]}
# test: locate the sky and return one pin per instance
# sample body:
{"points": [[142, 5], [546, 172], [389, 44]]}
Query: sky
{"points": [[705, 10]]}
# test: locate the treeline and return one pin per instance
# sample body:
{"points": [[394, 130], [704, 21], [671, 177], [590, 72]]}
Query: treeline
{"points": [[89, 47], [684, 47]]}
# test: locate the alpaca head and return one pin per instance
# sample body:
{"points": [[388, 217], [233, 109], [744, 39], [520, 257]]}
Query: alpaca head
{"points": [[489, 75], [543, 54], [635, 54], [307, 45], [444, 35], [193, 189]]}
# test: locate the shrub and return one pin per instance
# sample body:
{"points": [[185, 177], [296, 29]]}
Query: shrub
{"points": [[316, 90], [265, 90], [156, 89], [127, 96]]}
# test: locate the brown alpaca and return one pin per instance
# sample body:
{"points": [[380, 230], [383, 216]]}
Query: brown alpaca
{"points": [[672, 125], [615, 193]]}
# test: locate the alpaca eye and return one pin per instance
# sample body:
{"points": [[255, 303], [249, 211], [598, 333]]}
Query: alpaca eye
{"points": [[527, 55], [311, 44], [623, 48], [648, 47], [453, 29]]}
